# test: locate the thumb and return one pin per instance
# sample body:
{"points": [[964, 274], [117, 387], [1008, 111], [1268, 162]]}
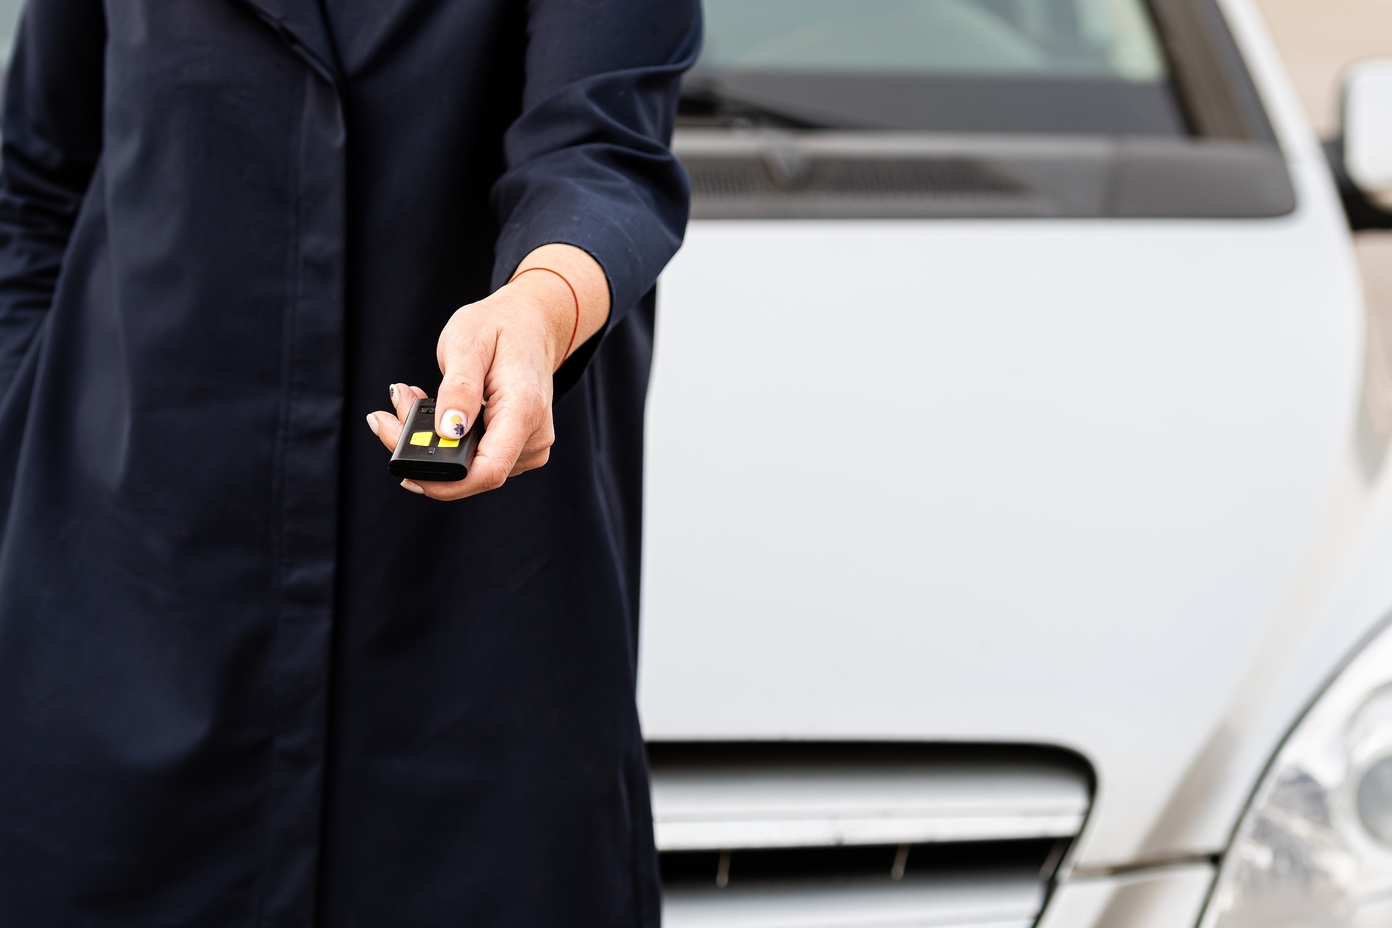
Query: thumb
{"points": [[465, 367]]}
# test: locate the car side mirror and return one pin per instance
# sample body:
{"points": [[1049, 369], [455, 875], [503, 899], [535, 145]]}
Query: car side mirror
{"points": [[1368, 129]]}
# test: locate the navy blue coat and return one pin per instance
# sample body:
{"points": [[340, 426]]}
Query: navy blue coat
{"points": [[245, 679]]}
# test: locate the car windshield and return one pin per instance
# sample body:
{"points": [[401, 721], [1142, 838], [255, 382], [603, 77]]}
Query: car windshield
{"points": [[945, 65], [9, 20]]}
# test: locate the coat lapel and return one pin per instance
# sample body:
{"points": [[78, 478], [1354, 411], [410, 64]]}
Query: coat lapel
{"points": [[303, 25]]}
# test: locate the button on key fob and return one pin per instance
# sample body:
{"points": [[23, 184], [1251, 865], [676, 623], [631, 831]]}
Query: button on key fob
{"points": [[422, 455]]}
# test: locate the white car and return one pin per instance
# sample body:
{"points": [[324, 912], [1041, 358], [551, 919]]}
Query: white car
{"points": [[1018, 528]]}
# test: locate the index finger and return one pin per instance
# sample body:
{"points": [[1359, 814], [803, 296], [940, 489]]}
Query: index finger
{"points": [[403, 396]]}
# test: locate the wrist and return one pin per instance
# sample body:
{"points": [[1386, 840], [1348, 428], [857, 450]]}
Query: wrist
{"points": [[557, 305], [577, 285]]}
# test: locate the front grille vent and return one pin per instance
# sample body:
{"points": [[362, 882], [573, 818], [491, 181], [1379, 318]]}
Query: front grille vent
{"points": [[871, 862], [757, 835]]}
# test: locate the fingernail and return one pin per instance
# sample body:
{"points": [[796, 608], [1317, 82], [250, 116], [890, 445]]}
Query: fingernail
{"points": [[413, 487], [452, 424], [391, 391], [372, 423]]}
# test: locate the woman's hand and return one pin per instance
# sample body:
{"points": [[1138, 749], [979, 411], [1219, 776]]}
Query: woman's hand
{"points": [[504, 349]]}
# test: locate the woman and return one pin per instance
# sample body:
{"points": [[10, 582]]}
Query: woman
{"points": [[246, 678]]}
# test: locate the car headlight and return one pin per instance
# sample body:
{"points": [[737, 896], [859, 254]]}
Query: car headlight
{"points": [[1315, 848]]}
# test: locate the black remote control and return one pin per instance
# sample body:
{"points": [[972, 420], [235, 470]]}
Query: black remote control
{"points": [[422, 455]]}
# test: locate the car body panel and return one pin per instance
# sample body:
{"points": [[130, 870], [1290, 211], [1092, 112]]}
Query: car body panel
{"points": [[1164, 897], [1088, 483]]}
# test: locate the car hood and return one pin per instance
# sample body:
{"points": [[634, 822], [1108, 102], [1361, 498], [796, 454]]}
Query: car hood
{"points": [[1036, 481]]}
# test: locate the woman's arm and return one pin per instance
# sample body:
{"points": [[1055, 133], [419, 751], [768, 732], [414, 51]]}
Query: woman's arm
{"points": [[505, 347], [592, 193], [52, 127]]}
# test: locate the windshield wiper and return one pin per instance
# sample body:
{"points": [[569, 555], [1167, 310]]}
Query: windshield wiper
{"points": [[705, 98]]}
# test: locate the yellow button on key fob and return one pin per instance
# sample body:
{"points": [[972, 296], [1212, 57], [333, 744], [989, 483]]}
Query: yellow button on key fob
{"points": [[420, 455]]}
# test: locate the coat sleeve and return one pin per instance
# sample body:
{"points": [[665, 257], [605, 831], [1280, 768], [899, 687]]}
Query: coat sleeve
{"points": [[587, 160], [52, 128]]}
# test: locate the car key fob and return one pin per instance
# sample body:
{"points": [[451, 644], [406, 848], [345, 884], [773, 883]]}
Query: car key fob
{"points": [[422, 455]]}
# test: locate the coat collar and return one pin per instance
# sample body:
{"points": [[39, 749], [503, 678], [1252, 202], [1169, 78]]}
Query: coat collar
{"points": [[302, 24]]}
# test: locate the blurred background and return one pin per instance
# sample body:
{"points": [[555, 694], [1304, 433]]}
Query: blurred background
{"points": [[1318, 39]]}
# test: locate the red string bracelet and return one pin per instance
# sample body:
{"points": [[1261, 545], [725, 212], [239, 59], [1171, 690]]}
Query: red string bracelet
{"points": [[576, 330]]}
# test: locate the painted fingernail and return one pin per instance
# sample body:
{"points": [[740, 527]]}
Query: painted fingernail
{"points": [[372, 423], [413, 487], [452, 423], [391, 391]]}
